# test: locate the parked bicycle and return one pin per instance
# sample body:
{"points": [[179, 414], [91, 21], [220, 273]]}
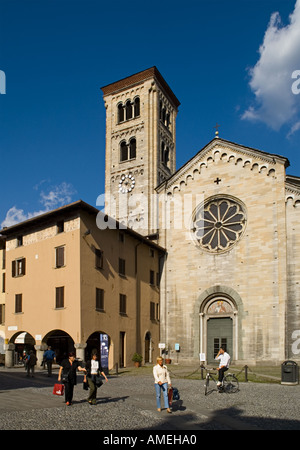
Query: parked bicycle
{"points": [[229, 385]]}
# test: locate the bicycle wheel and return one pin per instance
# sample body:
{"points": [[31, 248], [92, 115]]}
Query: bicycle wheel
{"points": [[206, 384], [231, 384]]}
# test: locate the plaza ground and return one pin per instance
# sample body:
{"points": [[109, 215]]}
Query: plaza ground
{"points": [[127, 402]]}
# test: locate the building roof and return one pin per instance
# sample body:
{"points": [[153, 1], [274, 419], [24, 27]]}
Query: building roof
{"points": [[63, 211], [211, 144], [138, 78]]}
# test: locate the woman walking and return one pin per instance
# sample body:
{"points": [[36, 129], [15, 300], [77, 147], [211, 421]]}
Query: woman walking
{"points": [[161, 382], [94, 370], [67, 373]]}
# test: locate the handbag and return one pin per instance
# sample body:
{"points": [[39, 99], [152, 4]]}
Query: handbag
{"points": [[170, 395], [58, 389], [65, 378], [85, 386], [98, 381]]}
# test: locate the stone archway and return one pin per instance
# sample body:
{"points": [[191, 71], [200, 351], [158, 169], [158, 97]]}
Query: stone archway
{"points": [[20, 342], [216, 303], [61, 343]]}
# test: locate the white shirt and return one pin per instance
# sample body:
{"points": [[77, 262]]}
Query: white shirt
{"points": [[224, 360], [161, 374], [94, 367]]}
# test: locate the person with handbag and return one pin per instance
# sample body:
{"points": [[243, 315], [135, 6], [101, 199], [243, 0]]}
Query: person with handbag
{"points": [[68, 375], [94, 370]]}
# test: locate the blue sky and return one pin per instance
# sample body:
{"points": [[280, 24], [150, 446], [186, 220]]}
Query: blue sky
{"points": [[229, 62]]}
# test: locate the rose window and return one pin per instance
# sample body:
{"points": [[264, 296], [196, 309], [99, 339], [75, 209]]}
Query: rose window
{"points": [[218, 224]]}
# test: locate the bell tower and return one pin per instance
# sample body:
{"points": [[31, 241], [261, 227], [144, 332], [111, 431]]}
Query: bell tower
{"points": [[140, 149]]}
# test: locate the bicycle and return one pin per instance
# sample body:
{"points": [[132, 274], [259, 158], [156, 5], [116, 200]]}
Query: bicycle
{"points": [[230, 383]]}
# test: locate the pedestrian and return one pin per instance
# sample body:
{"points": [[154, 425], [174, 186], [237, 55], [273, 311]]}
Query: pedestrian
{"points": [[68, 375], [161, 382], [92, 377], [224, 359], [31, 362], [49, 358]]}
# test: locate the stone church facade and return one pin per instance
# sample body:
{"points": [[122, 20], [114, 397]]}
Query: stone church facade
{"points": [[228, 220]]}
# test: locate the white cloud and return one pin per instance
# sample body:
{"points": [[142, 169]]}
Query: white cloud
{"points": [[271, 77], [57, 196]]}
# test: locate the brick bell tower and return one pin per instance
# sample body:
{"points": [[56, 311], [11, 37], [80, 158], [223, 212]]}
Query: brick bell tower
{"points": [[141, 115]]}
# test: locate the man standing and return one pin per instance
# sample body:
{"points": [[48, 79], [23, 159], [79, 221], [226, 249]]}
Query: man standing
{"points": [[224, 359], [49, 358]]}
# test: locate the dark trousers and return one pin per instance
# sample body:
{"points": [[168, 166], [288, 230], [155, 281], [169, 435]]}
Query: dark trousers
{"points": [[49, 367], [69, 389], [221, 373], [93, 391]]}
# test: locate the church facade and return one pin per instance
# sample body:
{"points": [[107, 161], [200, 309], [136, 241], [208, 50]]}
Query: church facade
{"points": [[228, 220]]}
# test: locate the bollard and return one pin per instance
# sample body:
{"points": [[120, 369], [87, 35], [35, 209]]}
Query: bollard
{"points": [[246, 374]]}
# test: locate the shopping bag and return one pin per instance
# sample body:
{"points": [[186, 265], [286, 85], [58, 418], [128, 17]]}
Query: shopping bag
{"points": [[58, 389]]}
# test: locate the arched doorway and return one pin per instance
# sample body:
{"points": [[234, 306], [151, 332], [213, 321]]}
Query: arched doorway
{"points": [[24, 343], [218, 327], [100, 343], [61, 343]]}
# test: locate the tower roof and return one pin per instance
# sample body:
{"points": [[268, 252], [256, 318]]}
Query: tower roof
{"points": [[138, 78]]}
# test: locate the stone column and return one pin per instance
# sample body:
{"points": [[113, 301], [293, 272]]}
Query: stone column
{"points": [[39, 354], [80, 351], [9, 355]]}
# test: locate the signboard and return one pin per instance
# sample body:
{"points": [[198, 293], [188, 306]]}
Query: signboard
{"points": [[177, 347], [104, 350], [161, 345], [202, 357]]}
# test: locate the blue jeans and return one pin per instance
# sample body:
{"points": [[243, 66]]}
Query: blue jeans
{"points": [[164, 388]]}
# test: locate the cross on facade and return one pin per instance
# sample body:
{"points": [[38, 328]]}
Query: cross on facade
{"points": [[216, 127], [217, 180]]}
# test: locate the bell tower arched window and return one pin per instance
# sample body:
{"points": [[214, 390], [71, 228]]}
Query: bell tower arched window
{"points": [[132, 148], [136, 107], [128, 110], [128, 150], [120, 113]]}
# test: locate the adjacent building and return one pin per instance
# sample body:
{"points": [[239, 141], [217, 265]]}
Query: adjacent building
{"points": [[73, 283]]}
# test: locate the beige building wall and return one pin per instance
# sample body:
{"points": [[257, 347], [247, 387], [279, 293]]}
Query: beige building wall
{"points": [[78, 275]]}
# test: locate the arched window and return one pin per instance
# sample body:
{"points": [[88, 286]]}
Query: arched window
{"points": [[120, 113], [132, 148], [162, 152], [136, 107], [166, 156], [123, 151], [128, 110]]}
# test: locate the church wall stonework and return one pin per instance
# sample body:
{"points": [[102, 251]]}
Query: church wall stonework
{"points": [[254, 268]]}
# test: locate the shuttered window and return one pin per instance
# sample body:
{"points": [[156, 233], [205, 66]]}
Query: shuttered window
{"points": [[122, 304], [98, 258], [99, 299], [60, 297], [60, 257], [18, 267], [18, 303]]}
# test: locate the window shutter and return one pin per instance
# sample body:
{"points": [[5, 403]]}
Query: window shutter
{"points": [[60, 256], [13, 268], [23, 266]]}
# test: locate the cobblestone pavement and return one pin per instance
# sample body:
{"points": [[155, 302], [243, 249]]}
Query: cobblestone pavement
{"points": [[127, 402]]}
